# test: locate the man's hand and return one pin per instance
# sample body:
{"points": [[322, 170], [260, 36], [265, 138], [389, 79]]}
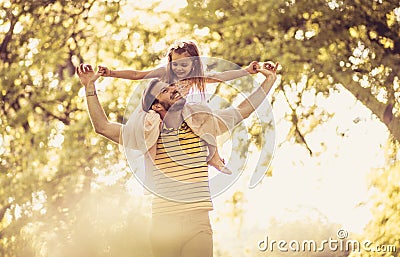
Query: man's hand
{"points": [[254, 100], [86, 74]]}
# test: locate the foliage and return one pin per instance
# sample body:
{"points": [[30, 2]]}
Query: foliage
{"points": [[51, 162], [319, 44], [384, 229], [63, 188]]}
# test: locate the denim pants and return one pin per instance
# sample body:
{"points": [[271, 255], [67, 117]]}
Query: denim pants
{"points": [[186, 234]]}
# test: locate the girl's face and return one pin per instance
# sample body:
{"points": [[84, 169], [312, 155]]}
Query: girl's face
{"points": [[181, 64]]}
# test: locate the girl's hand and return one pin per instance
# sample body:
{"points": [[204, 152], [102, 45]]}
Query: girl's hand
{"points": [[269, 69], [270, 66], [104, 71], [252, 68]]}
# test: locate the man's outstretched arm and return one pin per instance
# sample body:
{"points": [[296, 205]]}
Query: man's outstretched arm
{"points": [[227, 119], [100, 122], [248, 105]]}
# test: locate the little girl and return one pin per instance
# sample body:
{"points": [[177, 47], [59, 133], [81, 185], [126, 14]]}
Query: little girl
{"points": [[185, 70]]}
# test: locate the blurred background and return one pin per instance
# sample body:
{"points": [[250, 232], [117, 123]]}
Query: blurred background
{"points": [[65, 191]]}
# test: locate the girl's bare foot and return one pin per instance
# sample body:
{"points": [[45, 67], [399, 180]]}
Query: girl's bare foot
{"points": [[219, 164]]}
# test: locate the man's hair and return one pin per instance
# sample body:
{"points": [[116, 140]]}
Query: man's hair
{"points": [[148, 99]]}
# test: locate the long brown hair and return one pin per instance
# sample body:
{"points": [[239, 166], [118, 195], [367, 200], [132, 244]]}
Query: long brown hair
{"points": [[197, 74]]}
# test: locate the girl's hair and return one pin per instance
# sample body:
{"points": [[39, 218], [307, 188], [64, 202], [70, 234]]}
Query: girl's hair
{"points": [[197, 74]]}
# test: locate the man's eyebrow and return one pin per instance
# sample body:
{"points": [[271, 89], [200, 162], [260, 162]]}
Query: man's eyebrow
{"points": [[163, 88], [181, 61]]}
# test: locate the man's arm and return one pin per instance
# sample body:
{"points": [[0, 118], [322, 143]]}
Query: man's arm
{"points": [[227, 119], [248, 105], [100, 122]]}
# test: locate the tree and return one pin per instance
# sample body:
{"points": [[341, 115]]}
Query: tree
{"points": [[323, 46], [383, 230], [57, 176], [320, 45], [52, 165]]}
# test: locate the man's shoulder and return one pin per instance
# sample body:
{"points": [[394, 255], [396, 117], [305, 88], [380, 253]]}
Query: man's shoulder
{"points": [[191, 108]]}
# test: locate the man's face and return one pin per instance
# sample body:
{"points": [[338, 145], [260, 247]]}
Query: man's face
{"points": [[181, 64], [167, 95]]}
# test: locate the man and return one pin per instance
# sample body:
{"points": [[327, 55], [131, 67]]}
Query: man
{"points": [[176, 157]]}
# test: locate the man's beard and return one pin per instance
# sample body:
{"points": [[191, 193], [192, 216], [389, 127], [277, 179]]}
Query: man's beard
{"points": [[178, 105]]}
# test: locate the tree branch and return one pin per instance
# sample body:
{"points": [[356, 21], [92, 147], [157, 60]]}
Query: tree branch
{"points": [[384, 112], [300, 138]]}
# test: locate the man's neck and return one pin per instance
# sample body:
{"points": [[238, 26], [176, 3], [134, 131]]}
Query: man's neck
{"points": [[173, 119]]}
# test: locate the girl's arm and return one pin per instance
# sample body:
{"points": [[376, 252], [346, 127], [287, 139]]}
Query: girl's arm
{"points": [[132, 74], [233, 74]]}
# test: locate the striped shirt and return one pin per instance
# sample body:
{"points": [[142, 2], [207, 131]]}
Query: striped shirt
{"points": [[181, 172]]}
